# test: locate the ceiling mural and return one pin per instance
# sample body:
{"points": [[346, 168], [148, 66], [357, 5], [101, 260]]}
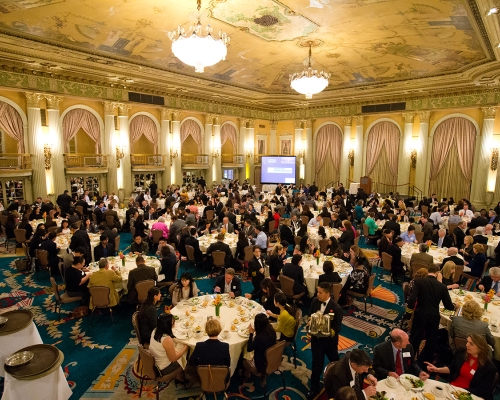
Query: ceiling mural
{"points": [[362, 42]]}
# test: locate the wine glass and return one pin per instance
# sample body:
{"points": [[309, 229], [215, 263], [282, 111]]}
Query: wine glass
{"points": [[407, 385]]}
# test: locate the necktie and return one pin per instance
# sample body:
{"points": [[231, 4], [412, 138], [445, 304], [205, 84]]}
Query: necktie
{"points": [[495, 287], [357, 382], [399, 364]]}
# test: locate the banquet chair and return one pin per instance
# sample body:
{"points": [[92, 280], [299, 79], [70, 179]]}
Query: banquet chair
{"points": [[419, 236], [8, 240], [459, 269], [100, 299], [190, 256], [424, 209], [416, 266], [336, 289], [163, 284], [248, 255], [297, 240], [451, 228], [135, 324], [110, 221], [218, 261], [323, 246], [214, 379], [52, 229], [61, 299], [79, 210], [94, 219], [475, 279], [43, 261], [274, 357], [142, 288], [132, 231], [287, 289], [61, 266], [326, 221], [79, 223], [304, 219], [387, 264], [117, 244], [157, 234], [210, 215], [367, 235], [293, 342], [472, 231], [328, 379], [21, 236], [149, 372], [368, 291], [459, 342]]}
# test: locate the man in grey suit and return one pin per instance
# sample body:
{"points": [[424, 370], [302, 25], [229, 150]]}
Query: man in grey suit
{"points": [[228, 226], [421, 257]]}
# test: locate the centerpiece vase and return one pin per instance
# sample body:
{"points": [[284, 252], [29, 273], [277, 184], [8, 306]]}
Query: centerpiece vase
{"points": [[217, 310], [486, 307], [123, 261], [317, 260]]}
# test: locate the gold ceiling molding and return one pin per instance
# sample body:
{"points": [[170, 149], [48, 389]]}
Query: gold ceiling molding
{"points": [[33, 99], [424, 116], [408, 117], [489, 112], [52, 101]]}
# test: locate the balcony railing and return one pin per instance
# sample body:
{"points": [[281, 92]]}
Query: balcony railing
{"points": [[238, 159], [194, 159], [257, 159], [15, 161], [146, 159], [85, 160]]}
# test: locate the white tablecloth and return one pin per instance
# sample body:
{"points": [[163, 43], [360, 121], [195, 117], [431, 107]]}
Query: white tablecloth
{"points": [[63, 242], [51, 387], [409, 248], [312, 232], [207, 240], [9, 344], [269, 188], [227, 316]]}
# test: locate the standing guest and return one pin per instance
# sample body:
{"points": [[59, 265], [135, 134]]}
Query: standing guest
{"points": [[168, 263], [293, 270], [425, 299], [286, 317], [147, 317], [80, 239], [427, 227], [106, 277], [260, 238], [256, 269], [184, 289], [324, 346], [261, 338], [228, 283], [139, 274], [397, 265], [64, 201]]}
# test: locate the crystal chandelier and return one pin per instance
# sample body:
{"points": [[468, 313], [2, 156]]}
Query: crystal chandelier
{"points": [[309, 81], [199, 50]]}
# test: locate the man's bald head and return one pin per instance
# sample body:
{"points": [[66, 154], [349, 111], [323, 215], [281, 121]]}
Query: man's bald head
{"points": [[399, 338], [452, 251]]}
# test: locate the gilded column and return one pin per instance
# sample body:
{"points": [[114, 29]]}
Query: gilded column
{"points": [[424, 153], [207, 148], [241, 148], [345, 164], [36, 141], [483, 178], [176, 144], [56, 143], [109, 143], [310, 152], [125, 187], [405, 147], [272, 138], [251, 146], [217, 151], [164, 147], [297, 140], [359, 150]]}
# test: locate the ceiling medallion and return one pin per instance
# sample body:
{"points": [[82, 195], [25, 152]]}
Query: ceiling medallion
{"points": [[309, 81], [197, 50]]}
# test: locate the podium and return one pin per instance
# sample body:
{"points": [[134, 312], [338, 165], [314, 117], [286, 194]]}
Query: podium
{"points": [[365, 183]]}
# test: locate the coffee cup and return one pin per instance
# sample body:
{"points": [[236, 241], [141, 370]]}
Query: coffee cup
{"points": [[494, 328], [225, 333]]}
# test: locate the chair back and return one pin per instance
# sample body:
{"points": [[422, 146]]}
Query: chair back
{"points": [[110, 220], [55, 289], [213, 378], [117, 243], [328, 379], [52, 229], [148, 364], [135, 324], [356, 241], [326, 221], [190, 252], [416, 266], [485, 268], [424, 209], [79, 209], [297, 240], [451, 227], [387, 261], [100, 296], [304, 219], [78, 223], [336, 289], [3, 219], [287, 285], [365, 230], [298, 317], [142, 289], [459, 342], [274, 356], [184, 230], [371, 280], [472, 231], [270, 225], [248, 253], [62, 271], [157, 235], [419, 236], [219, 258], [20, 235], [94, 218], [132, 231], [459, 269], [323, 245], [210, 215], [43, 257]]}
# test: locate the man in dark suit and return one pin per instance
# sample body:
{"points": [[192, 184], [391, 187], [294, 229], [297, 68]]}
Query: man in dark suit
{"points": [[395, 357], [452, 256], [150, 214], [99, 213], [225, 224], [80, 238], [427, 227], [139, 274], [346, 202], [478, 236], [324, 346], [427, 295], [286, 233], [294, 271], [382, 214], [218, 207], [491, 281], [397, 265], [219, 245], [459, 233], [114, 214], [478, 220], [153, 188], [442, 239], [228, 283], [64, 201], [103, 249], [351, 371], [192, 240], [51, 248], [256, 269], [393, 225], [85, 206], [248, 229]]}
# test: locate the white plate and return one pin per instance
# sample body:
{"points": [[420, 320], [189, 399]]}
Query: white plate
{"points": [[242, 333], [394, 383], [403, 376], [439, 393]]}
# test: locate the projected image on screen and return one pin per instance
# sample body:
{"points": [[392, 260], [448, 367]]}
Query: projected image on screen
{"points": [[278, 170]]}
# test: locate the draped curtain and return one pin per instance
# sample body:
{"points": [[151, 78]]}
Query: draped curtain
{"points": [[190, 127], [77, 119], [143, 125], [12, 123], [382, 153], [328, 154], [452, 158], [227, 132]]}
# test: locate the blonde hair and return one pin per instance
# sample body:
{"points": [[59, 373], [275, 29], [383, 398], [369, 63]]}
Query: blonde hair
{"points": [[479, 247], [213, 327], [448, 267], [276, 249], [471, 310], [469, 238]]}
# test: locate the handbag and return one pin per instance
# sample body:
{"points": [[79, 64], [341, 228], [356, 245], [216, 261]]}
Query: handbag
{"points": [[81, 311]]}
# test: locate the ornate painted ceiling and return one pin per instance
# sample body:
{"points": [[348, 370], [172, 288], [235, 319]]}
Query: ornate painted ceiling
{"points": [[374, 49]]}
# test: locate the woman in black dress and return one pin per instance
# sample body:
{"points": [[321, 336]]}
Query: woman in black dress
{"points": [[147, 317]]}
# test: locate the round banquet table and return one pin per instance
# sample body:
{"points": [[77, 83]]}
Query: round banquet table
{"points": [[130, 264], [399, 392], [438, 254], [493, 312], [492, 245], [312, 271], [34, 223], [312, 232], [227, 316], [13, 342], [206, 240], [63, 241]]}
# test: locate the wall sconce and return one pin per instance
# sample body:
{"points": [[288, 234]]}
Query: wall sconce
{"points": [[494, 159], [47, 153], [249, 152], [174, 153], [350, 156], [215, 154], [302, 154], [119, 155], [413, 158]]}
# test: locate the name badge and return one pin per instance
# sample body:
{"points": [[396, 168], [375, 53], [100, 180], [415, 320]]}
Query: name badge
{"points": [[472, 371], [406, 354], [234, 287]]}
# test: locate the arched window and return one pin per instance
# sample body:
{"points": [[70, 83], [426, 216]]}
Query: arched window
{"points": [[77, 119], [328, 154], [228, 139], [11, 123], [190, 137], [142, 125]]}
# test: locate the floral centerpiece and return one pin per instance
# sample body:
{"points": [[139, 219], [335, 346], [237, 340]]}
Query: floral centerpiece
{"points": [[44, 216], [217, 304], [122, 257], [487, 299], [429, 243], [223, 231], [317, 254]]}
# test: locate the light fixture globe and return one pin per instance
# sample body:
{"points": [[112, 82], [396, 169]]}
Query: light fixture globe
{"points": [[309, 81], [199, 50]]}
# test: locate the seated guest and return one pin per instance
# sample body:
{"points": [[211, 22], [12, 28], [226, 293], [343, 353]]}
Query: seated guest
{"points": [[409, 235], [286, 318], [448, 275], [64, 228], [422, 257], [385, 241], [103, 249], [470, 321], [397, 265], [476, 265], [106, 277], [50, 247], [226, 225], [192, 241], [147, 318], [329, 275], [459, 233], [395, 357], [77, 279], [262, 337], [228, 283], [139, 274], [219, 245], [441, 239], [346, 393], [269, 289], [334, 248], [357, 256], [346, 240], [452, 256], [478, 236], [139, 246], [161, 226], [357, 281], [275, 261], [491, 281], [306, 245], [168, 263], [184, 289], [471, 368], [256, 269], [372, 225], [294, 271], [163, 348], [393, 225], [315, 222], [467, 249]]}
